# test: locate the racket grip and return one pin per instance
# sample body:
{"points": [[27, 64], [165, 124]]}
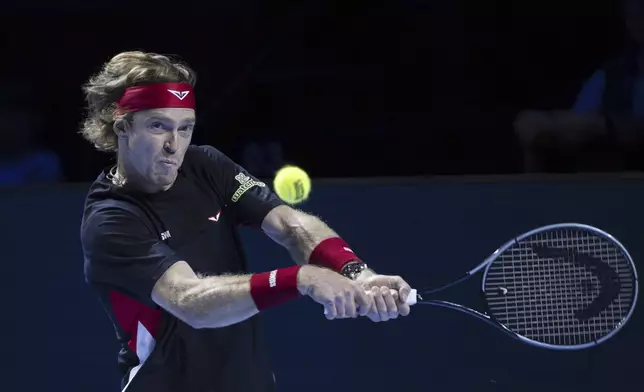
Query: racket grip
{"points": [[412, 298]]}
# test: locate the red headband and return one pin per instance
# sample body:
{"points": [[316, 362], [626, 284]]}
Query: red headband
{"points": [[157, 96]]}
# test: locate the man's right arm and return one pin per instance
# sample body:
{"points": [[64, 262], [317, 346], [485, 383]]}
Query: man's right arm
{"points": [[124, 254], [219, 301], [204, 302]]}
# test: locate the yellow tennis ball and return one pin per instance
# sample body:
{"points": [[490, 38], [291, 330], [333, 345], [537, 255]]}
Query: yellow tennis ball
{"points": [[292, 184]]}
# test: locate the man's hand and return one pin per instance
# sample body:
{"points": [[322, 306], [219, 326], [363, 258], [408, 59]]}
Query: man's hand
{"points": [[386, 305], [340, 296]]}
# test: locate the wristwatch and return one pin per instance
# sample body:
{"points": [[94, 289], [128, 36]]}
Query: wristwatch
{"points": [[352, 269]]}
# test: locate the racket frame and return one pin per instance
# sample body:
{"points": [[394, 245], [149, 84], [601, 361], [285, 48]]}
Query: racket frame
{"points": [[487, 263]]}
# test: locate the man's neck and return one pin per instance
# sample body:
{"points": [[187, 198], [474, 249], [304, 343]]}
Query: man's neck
{"points": [[127, 178]]}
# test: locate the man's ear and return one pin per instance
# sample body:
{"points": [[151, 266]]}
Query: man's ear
{"points": [[121, 127]]}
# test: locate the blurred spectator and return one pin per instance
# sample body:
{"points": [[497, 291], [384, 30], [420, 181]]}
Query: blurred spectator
{"points": [[22, 161], [604, 131]]}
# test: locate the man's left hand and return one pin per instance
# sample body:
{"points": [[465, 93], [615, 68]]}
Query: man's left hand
{"points": [[389, 294]]}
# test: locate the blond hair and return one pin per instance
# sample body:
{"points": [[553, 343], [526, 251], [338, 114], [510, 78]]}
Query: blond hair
{"points": [[124, 70]]}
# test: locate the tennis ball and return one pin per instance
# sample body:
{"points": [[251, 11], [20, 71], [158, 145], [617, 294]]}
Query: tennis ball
{"points": [[292, 184]]}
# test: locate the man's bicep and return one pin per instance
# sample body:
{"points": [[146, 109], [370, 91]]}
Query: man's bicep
{"points": [[121, 253], [171, 287]]}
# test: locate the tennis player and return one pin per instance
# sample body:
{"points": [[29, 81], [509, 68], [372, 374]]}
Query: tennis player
{"points": [[163, 253]]}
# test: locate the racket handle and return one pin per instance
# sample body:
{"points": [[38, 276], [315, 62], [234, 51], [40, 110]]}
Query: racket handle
{"points": [[412, 298]]}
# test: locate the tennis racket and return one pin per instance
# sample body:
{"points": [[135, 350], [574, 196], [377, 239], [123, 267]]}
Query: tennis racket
{"points": [[566, 286]]}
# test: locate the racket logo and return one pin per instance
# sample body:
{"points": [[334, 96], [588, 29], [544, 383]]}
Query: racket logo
{"points": [[610, 284]]}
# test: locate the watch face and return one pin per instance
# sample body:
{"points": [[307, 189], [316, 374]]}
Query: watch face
{"points": [[354, 269]]}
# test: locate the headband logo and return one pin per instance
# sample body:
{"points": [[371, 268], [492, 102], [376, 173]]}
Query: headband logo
{"points": [[179, 94]]}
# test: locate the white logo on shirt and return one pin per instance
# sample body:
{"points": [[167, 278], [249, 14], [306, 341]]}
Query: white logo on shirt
{"points": [[246, 183], [165, 235], [215, 218], [272, 278]]}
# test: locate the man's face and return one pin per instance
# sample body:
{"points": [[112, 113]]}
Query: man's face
{"points": [[157, 141], [634, 16]]}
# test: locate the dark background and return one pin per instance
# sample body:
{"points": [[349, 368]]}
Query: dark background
{"points": [[357, 88]]}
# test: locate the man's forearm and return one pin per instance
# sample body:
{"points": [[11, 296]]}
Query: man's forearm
{"points": [[219, 301], [298, 232], [305, 237], [208, 302]]}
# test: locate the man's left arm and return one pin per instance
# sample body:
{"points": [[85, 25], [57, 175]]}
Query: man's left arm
{"points": [[309, 240], [306, 237]]}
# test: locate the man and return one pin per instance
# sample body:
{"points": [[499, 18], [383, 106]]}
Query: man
{"points": [[161, 246], [605, 128]]}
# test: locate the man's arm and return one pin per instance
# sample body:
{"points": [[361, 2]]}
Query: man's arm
{"points": [[122, 253], [220, 301], [307, 238], [204, 302], [298, 232], [302, 235]]}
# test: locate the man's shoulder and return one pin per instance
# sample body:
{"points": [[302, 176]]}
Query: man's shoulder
{"points": [[103, 193], [106, 215], [205, 161], [107, 203], [202, 152]]}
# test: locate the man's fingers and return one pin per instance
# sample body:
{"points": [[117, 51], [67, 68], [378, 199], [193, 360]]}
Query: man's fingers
{"points": [[403, 293], [381, 306], [403, 309], [375, 317], [329, 311], [350, 305], [390, 302], [340, 307], [373, 314], [364, 301], [403, 288]]}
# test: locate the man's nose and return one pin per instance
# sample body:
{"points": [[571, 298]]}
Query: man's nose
{"points": [[170, 145]]}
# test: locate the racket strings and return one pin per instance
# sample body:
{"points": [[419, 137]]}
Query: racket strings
{"points": [[539, 288]]}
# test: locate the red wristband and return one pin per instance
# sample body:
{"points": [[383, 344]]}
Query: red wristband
{"points": [[273, 288], [332, 253]]}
